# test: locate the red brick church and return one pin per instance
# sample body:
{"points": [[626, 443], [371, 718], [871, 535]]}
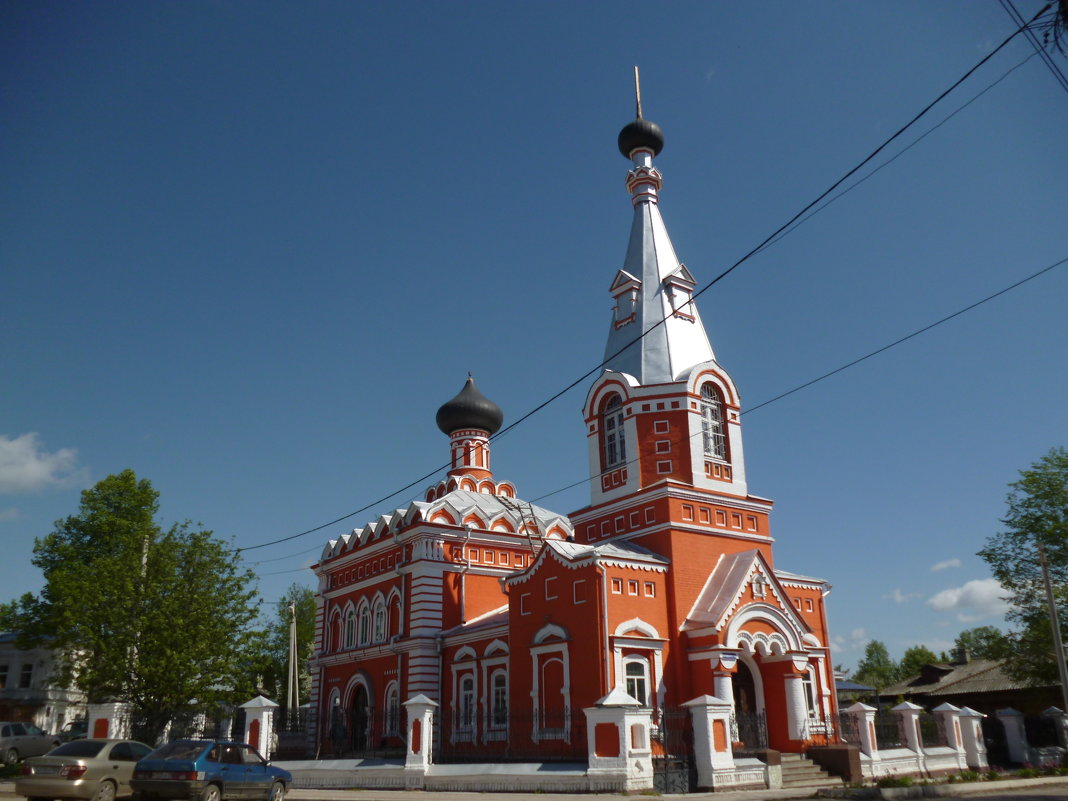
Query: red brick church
{"points": [[662, 591]]}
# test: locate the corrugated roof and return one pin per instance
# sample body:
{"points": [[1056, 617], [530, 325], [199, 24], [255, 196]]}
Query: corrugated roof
{"points": [[976, 676]]}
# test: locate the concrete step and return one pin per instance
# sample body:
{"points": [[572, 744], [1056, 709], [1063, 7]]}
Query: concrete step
{"points": [[798, 772]]}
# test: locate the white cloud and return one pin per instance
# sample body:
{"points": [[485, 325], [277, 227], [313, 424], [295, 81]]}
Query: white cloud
{"points": [[899, 597], [25, 467], [973, 601], [10, 513], [948, 563], [852, 641]]}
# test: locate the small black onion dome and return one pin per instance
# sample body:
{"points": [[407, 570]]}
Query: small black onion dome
{"points": [[470, 409], [641, 133]]}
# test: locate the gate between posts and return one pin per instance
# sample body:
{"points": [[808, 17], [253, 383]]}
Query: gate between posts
{"points": [[674, 770]]}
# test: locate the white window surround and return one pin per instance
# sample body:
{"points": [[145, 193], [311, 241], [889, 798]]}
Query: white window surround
{"points": [[464, 731], [552, 651], [651, 641], [363, 614], [391, 705], [614, 443], [576, 590], [713, 424], [491, 669], [379, 624], [636, 678], [550, 588]]}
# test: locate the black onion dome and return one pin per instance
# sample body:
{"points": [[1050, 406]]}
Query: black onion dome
{"points": [[641, 133], [470, 409]]}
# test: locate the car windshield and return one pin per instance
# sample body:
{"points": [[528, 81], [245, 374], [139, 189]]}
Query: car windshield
{"points": [[78, 748], [180, 749]]}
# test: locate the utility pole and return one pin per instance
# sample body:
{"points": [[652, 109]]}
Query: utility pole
{"points": [[292, 689], [1058, 645]]}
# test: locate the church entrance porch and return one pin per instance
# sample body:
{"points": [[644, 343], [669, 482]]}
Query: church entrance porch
{"points": [[749, 724]]}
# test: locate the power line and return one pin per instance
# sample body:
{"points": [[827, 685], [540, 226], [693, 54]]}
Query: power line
{"points": [[897, 155], [697, 294], [845, 366], [907, 337], [1015, 16]]}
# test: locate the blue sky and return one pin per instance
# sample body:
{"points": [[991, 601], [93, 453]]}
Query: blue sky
{"points": [[247, 249]]}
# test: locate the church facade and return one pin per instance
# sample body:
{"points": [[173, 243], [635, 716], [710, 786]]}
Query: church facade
{"points": [[515, 620]]}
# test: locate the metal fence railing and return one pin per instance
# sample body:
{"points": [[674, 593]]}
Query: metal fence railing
{"points": [[932, 731], [546, 737], [888, 730], [847, 728]]}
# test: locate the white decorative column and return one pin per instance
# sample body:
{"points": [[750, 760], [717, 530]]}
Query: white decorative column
{"points": [[864, 720], [419, 740], [796, 707], [972, 734], [259, 723], [1060, 721], [108, 720], [1015, 735], [618, 744], [949, 719], [909, 717], [712, 748]]}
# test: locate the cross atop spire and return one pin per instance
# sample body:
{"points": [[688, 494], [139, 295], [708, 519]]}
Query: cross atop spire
{"points": [[653, 285], [637, 93]]}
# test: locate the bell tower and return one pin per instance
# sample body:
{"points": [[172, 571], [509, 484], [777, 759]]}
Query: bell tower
{"points": [[663, 420]]}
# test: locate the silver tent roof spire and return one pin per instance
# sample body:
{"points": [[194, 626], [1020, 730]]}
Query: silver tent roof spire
{"points": [[653, 285]]}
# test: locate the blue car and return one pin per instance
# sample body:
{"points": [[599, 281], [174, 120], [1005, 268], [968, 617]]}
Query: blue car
{"points": [[207, 770]]}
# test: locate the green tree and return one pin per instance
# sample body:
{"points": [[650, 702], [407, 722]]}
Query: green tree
{"points": [[913, 660], [876, 668], [983, 642], [156, 618], [1037, 516]]}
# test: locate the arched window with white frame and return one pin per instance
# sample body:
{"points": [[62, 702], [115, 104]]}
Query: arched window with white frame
{"points": [[365, 624], [380, 621], [350, 628], [391, 723], [714, 432], [466, 711], [613, 436], [499, 700], [636, 675]]}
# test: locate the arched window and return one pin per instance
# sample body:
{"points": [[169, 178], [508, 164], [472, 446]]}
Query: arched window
{"points": [[467, 703], [380, 621], [636, 671], [391, 727], [614, 441], [808, 685], [365, 625], [350, 628], [499, 700], [715, 434]]}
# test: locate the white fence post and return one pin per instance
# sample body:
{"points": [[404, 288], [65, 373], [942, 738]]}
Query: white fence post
{"points": [[972, 734], [420, 739], [949, 717]]}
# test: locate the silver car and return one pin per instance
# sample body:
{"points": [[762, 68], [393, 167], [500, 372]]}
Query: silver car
{"points": [[21, 740], [94, 769]]}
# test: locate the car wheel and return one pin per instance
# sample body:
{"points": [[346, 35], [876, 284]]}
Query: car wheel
{"points": [[38, 798], [105, 792], [211, 793], [11, 756], [278, 792]]}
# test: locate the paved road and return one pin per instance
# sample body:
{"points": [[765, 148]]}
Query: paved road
{"points": [[1046, 789]]}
